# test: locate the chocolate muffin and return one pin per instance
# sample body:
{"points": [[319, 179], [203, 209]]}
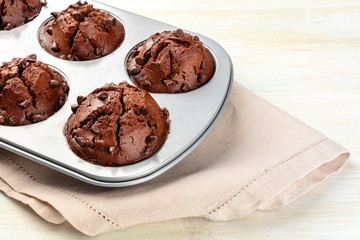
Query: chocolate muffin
{"points": [[30, 91], [170, 62], [81, 33], [116, 125], [14, 13]]}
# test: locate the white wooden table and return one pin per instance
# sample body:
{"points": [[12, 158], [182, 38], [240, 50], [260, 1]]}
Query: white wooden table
{"points": [[304, 57]]}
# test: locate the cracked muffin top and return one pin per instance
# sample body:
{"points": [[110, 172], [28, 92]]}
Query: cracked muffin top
{"points": [[81, 33], [14, 13], [116, 125], [30, 91], [170, 62]]}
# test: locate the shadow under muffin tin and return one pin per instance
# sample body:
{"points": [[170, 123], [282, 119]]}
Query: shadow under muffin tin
{"points": [[192, 114]]}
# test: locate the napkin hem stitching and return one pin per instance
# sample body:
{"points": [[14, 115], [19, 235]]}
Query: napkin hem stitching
{"points": [[70, 195], [265, 171]]}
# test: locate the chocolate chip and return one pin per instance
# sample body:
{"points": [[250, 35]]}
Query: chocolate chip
{"points": [[102, 96], [22, 63], [134, 71], [113, 150], [54, 14], [43, 2], [62, 101], [93, 41], [39, 117], [24, 104], [144, 111], [2, 119], [151, 138], [203, 65], [70, 57], [146, 150], [135, 53], [49, 30], [81, 141], [13, 121], [169, 82], [146, 83], [32, 57], [114, 21], [165, 113], [9, 26], [65, 88], [55, 47], [99, 51], [80, 99], [139, 60], [30, 60], [179, 33], [76, 15], [201, 78], [74, 108], [185, 88], [95, 129], [147, 55], [196, 39], [108, 23], [82, 4], [54, 83]]}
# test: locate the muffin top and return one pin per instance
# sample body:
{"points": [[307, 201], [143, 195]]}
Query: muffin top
{"points": [[30, 91], [81, 33], [170, 62], [14, 13], [116, 125]]}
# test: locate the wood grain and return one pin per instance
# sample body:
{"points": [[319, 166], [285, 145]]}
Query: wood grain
{"points": [[304, 57]]}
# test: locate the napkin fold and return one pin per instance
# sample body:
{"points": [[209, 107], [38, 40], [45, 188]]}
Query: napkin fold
{"points": [[256, 158]]}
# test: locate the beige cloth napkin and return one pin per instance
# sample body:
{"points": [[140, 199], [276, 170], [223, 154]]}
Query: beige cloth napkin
{"points": [[256, 158]]}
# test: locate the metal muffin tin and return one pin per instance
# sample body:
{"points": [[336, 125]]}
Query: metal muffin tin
{"points": [[192, 114]]}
